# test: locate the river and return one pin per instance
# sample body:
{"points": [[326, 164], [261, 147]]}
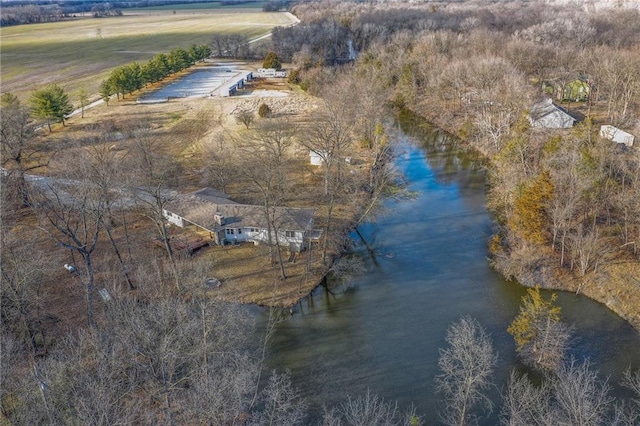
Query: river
{"points": [[428, 268]]}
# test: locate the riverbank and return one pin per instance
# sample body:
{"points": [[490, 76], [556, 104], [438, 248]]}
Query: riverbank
{"points": [[614, 285], [614, 282], [425, 268]]}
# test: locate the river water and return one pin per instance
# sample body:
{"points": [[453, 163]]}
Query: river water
{"points": [[427, 267]]}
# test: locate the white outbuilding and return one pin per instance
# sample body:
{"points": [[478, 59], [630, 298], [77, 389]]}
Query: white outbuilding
{"points": [[616, 135], [270, 72], [317, 157]]}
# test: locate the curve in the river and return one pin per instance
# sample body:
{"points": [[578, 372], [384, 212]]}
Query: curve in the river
{"points": [[428, 268]]}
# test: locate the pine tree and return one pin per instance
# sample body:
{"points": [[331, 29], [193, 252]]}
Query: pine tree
{"points": [[541, 337], [529, 212], [264, 110], [51, 103], [272, 61]]}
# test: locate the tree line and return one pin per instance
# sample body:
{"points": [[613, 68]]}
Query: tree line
{"points": [[322, 37], [53, 105], [174, 361], [127, 79], [14, 13], [30, 12]]}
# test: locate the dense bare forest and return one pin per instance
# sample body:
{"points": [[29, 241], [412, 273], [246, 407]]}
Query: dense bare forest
{"points": [[566, 203]]}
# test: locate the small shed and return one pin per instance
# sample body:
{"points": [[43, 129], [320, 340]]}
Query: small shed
{"points": [[317, 158], [616, 135]]}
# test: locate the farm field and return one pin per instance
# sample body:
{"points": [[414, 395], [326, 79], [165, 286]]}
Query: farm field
{"points": [[81, 53], [213, 5]]}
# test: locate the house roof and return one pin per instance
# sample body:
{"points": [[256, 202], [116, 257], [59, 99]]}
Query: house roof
{"points": [[200, 208], [614, 134], [213, 196], [545, 108]]}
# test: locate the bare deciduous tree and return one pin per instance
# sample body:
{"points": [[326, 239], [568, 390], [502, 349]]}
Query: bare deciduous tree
{"points": [[72, 216], [466, 368], [524, 404], [584, 246], [23, 271], [152, 172], [580, 398], [246, 118], [494, 124], [369, 410], [19, 152], [99, 167], [220, 167], [282, 403], [330, 139], [264, 163]]}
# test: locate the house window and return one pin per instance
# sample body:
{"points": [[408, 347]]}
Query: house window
{"points": [[290, 234], [230, 231], [240, 231]]}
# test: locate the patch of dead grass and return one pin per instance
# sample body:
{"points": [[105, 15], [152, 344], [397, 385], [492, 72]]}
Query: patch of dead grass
{"points": [[248, 276]]}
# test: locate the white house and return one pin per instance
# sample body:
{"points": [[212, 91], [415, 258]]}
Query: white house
{"points": [[231, 222], [616, 135], [548, 115]]}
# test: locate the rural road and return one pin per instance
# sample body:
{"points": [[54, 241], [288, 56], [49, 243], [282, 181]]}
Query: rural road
{"points": [[86, 107]]}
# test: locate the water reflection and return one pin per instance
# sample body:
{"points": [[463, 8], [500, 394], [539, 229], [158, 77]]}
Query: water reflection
{"points": [[426, 268]]}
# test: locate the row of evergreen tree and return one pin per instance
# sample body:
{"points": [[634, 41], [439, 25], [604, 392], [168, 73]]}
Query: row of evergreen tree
{"points": [[129, 78]]}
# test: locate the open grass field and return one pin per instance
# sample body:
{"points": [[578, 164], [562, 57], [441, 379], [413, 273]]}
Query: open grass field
{"points": [[81, 53], [216, 5]]}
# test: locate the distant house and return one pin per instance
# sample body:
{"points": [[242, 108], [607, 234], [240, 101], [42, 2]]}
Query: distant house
{"points": [[616, 135], [576, 91], [270, 72], [231, 222], [548, 115]]}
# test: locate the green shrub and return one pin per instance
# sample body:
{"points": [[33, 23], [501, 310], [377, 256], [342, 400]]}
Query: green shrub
{"points": [[271, 61], [264, 111], [294, 76]]}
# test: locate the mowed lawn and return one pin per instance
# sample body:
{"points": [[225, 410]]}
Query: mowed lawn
{"points": [[81, 53]]}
